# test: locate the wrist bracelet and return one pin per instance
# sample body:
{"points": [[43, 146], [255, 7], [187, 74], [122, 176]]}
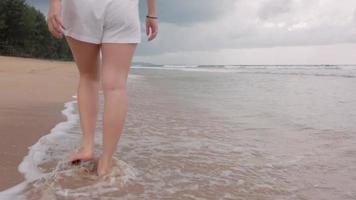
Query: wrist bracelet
{"points": [[151, 17]]}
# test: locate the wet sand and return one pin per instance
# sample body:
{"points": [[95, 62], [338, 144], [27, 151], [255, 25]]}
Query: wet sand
{"points": [[33, 93]]}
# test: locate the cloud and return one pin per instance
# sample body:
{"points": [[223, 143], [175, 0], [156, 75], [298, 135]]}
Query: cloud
{"points": [[173, 11], [189, 12], [272, 8], [262, 24], [207, 26]]}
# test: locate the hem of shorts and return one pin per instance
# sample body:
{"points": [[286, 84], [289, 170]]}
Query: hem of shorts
{"points": [[122, 41], [82, 37]]}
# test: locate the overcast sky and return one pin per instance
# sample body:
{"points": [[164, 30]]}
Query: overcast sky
{"points": [[249, 32]]}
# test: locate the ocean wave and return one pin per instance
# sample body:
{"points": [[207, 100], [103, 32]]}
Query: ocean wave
{"points": [[247, 67], [344, 71]]}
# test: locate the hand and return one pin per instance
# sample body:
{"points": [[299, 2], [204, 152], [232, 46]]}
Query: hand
{"points": [[151, 28], [55, 24]]}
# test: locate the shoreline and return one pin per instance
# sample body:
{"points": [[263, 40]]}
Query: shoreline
{"points": [[33, 94]]}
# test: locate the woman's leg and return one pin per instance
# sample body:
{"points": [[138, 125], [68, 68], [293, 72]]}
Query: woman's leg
{"points": [[86, 56], [116, 61]]}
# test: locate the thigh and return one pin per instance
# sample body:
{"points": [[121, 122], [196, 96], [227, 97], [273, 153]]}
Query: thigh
{"points": [[86, 56], [116, 62]]}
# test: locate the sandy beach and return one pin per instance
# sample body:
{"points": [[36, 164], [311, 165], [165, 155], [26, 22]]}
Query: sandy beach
{"points": [[192, 132], [33, 93]]}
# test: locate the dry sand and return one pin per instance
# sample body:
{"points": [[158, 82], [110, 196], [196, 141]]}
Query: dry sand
{"points": [[32, 96]]}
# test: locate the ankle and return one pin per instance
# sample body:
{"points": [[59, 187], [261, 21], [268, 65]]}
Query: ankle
{"points": [[87, 144], [87, 148], [106, 159]]}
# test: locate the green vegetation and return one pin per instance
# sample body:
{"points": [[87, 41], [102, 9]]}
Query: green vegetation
{"points": [[24, 32]]}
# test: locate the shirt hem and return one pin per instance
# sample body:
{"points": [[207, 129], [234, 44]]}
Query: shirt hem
{"points": [[82, 38]]}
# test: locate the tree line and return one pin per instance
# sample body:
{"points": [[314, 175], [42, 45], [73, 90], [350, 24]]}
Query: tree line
{"points": [[24, 32]]}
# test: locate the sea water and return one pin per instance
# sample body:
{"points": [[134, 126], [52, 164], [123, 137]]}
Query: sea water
{"points": [[212, 132]]}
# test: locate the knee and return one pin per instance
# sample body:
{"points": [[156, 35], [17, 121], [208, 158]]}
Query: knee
{"points": [[89, 77], [109, 86]]}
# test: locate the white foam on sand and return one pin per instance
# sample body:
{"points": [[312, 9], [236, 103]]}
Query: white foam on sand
{"points": [[51, 148], [29, 165]]}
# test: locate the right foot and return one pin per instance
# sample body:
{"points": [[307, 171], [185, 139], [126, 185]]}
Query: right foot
{"points": [[81, 154], [104, 166]]}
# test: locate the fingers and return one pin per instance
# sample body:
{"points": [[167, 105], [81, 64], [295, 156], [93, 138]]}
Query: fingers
{"points": [[59, 22], [147, 28], [53, 31], [154, 32], [151, 30], [55, 26]]}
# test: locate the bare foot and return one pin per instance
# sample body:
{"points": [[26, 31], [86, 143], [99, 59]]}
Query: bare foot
{"points": [[81, 154], [104, 166]]}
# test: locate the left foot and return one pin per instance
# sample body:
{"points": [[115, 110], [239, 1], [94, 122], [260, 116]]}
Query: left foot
{"points": [[81, 154]]}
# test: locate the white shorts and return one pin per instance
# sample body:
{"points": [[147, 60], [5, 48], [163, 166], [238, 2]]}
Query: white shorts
{"points": [[102, 21]]}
